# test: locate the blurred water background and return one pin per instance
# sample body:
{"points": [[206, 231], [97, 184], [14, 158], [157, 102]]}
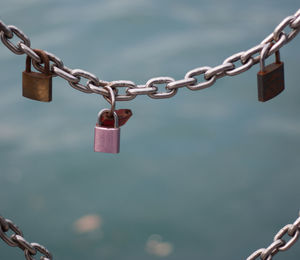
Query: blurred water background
{"points": [[212, 174]]}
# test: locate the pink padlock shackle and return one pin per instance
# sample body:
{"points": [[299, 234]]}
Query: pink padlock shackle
{"points": [[112, 98], [116, 118], [112, 101]]}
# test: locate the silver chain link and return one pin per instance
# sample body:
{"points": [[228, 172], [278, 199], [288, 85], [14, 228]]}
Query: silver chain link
{"points": [[291, 231], [17, 240], [276, 40]]}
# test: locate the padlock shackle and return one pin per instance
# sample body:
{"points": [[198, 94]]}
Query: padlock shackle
{"points": [[112, 96], [45, 59], [263, 56], [116, 118], [277, 57]]}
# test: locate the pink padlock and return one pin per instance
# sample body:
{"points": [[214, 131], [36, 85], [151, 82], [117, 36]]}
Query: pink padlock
{"points": [[107, 140]]}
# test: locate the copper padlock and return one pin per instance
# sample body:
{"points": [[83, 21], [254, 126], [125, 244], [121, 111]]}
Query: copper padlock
{"points": [[270, 79], [36, 85]]}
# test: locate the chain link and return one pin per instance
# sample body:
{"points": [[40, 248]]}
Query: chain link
{"points": [[16, 31], [17, 240], [279, 244], [276, 40], [197, 72], [292, 231]]}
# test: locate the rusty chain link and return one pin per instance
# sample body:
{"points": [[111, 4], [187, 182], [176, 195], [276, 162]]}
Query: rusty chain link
{"points": [[17, 240], [277, 39]]}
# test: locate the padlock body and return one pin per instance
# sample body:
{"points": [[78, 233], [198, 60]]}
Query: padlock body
{"points": [[270, 82], [37, 86], [107, 140]]}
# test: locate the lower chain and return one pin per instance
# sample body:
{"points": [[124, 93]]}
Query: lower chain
{"points": [[290, 231]]}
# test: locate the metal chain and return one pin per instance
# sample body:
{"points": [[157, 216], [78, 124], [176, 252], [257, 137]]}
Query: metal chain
{"points": [[276, 40], [291, 231], [17, 240]]}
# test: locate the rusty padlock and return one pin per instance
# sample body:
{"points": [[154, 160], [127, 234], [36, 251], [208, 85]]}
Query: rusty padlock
{"points": [[107, 118], [107, 139], [36, 85], [270, 79]]}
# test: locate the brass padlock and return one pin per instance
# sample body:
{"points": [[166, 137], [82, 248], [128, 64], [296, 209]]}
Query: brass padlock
{"points": [[36, 85], [270, 79]]}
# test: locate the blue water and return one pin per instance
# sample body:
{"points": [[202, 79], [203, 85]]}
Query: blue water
{"points": [[214, 173]]}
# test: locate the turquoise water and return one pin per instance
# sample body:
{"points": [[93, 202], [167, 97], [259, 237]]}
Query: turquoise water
{"points": [[214, 173]]}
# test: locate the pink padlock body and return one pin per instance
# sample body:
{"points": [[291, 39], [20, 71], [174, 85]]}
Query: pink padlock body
{"points": [[107, 140]]}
